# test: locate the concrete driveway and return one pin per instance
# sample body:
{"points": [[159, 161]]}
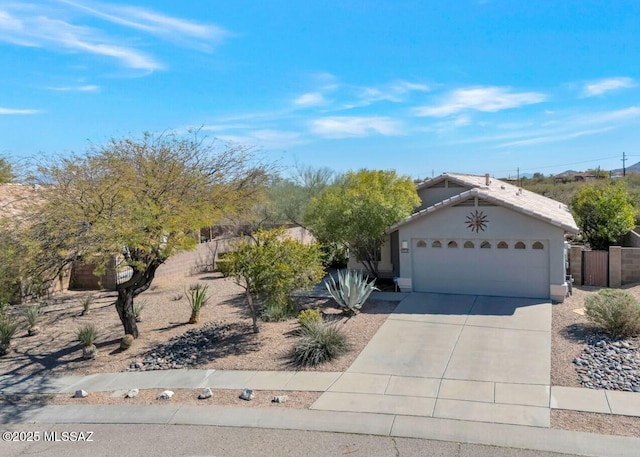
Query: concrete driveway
{"points": [[454, 356]]}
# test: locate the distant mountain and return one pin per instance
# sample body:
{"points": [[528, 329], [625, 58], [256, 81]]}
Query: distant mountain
{"points": [[567, 173], [635, 168]]}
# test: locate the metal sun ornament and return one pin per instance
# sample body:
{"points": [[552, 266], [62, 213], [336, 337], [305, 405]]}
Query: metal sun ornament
{"points": [[477, 221]]}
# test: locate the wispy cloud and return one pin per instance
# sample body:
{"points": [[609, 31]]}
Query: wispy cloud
{"points": [[83, 88], [48, 26], [265, 138], [355, 126], [151, 22], [8, 111], [486, 99], [553, 138], [393, 92], [309, 99], [603, 86]]}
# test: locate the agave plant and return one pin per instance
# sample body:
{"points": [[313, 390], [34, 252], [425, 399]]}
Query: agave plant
{"points": [[197, 297], [351, 290]]}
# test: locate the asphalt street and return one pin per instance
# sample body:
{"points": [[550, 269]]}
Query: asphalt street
{"points": [[126, 440]]}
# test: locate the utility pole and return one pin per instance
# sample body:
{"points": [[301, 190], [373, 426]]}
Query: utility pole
{"points": [[518, 179], [624, 164]]}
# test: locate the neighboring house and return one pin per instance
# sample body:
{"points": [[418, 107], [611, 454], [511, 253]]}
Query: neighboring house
{"points": [[477, 235]]}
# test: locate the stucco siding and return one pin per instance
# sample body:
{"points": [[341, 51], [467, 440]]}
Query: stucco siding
{"points": [[502, 224], [432, 195]]}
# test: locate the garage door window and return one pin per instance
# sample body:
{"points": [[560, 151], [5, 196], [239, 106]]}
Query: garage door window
{"points": [[520, 245], [452, 244], [436, 244], [537, 245], [503, 245], [421, 244], [469, 244], [485, 245]]}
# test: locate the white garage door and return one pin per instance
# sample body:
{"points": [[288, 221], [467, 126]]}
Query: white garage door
{"points": [[482, 267]]}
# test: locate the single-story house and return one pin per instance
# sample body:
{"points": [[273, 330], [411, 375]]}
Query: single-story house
{"points": [[479, 235]]}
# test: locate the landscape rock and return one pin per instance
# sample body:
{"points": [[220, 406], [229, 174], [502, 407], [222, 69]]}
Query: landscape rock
{"points": [[166, 395], [247, 394], [609, 364], [206, 393], [182, 351], [280, 399], [81, 394], [133, 393]]}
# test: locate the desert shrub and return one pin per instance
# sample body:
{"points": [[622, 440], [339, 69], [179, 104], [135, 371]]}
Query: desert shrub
{"points": [[8, 328], [617, 311], [197, 297], [126, 342], [276, 312], [87, 334], [137, 310], [351, 290], [86, 303], [309, 316], [319, 343]]}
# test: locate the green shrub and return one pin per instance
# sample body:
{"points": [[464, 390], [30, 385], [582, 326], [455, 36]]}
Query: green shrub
{"points": [[319, 343], [617, 311], [8, 328], [197, 296], [309, 316], [87, 334], [276, 312], [351, 290]]}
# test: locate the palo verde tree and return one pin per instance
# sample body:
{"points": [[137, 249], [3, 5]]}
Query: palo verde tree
{"points": [[6, 171], [270, 267], [358, 210], [604, 213], [139, 200]]}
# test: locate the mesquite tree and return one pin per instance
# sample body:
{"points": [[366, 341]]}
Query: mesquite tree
{"points": [[137, 200]]}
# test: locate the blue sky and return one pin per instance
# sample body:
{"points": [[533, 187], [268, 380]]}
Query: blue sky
{"points": [[419, 86]]}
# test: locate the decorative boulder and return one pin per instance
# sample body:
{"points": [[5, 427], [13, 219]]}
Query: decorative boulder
{"points": [[206, 393], [166, 395], [81, 394], [133, 393], [247, 394], [89, 352], [280, 399]]}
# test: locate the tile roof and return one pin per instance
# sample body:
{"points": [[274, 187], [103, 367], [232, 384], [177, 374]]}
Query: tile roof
{"points": [[504, 194]]}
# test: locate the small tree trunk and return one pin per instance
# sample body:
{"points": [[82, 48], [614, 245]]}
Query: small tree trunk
{"points": [[124, 306], [254, 314]]}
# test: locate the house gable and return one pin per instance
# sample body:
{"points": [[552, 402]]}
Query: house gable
{"points": [[438, 190]]}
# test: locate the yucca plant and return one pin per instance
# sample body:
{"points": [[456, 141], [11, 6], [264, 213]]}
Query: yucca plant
{"points": [[351, 290], [87, 335], [8, 328], [33, 314], [197, 297], [86, 304]]}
